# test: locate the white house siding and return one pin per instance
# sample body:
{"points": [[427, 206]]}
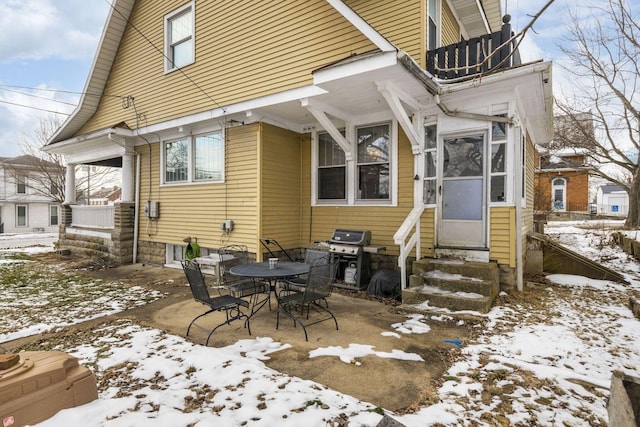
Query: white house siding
{"points": [[37, 218]]}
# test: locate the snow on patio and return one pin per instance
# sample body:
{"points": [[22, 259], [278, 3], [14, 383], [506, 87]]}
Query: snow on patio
{"points": [[543, 357]]}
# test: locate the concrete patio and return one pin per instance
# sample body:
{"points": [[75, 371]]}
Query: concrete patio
{"points": [[387, 382]]}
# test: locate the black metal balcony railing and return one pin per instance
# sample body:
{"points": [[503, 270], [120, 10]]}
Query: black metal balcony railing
{"points": [[474, 56]]}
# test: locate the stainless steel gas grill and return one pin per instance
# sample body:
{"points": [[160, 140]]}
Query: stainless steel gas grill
{"points": [[348, 248]]}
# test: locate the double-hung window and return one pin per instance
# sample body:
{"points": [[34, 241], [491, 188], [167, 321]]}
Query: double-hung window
{"points": [[21, 184], [179, 37], [54, 215], [373, 162], [191, 159], [21, 216], [366, 179], [332, 169]]}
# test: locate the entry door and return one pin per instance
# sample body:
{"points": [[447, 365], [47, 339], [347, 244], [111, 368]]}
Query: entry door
{"points": [[463, 194]]}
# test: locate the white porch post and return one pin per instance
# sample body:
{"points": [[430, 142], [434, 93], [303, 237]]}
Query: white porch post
{"points": [[128, 180], [70, 184]]}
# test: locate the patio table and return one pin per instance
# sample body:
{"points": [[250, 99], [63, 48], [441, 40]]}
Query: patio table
{"points": [[261, 270]]}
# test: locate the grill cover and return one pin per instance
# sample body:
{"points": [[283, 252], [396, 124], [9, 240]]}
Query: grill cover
{"points": [[351, 237]]}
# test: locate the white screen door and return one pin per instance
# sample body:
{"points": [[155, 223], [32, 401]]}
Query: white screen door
{"points": [[463, 207]]}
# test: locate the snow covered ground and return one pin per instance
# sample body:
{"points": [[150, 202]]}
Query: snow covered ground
{"points": [[543, 357]]}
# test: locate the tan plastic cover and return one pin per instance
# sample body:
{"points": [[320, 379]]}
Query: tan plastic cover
{"points": [[40, 384]]}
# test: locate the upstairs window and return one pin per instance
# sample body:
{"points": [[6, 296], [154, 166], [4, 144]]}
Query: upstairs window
{"points": [[432, 24], [21, 184], [179, 38], [197, 158]]}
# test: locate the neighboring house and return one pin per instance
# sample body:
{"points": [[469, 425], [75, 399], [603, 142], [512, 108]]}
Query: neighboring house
{"points": [[612, 200], [105, 196], [289, 119], [26, 205], [562, 180]]}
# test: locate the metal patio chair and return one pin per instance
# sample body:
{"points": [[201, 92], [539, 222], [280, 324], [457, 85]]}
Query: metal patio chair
{"points": [[311, 257], [258, 292], [318, 288], [228, 304]]}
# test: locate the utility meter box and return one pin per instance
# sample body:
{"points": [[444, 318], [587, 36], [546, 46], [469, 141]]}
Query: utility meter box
{"points": [[152, 209]]}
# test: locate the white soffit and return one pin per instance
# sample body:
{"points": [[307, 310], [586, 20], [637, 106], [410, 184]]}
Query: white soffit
{"points": [[472, 16], [493, 13]]}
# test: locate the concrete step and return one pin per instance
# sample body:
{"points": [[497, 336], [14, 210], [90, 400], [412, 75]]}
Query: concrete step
{"points": [[481, 270], [453, 284], [454, 301]]}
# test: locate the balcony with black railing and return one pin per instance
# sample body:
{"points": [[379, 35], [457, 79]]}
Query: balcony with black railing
{"points": [[475, 56]]}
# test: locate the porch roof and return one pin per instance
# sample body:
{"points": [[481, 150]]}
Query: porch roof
{"points": [[349, 91]]}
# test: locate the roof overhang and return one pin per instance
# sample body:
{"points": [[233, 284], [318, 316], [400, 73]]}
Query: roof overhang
{"points": [[361, 89], [531, 85], [94, 87], [478, 17], [104, 147]]}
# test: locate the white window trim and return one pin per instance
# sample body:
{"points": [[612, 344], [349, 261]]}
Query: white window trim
{"points": [[168, 59], [191, 161], [352, 166]]}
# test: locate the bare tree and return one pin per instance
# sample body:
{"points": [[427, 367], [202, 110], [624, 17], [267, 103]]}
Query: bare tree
{"points": [[45, 173], [603, 49]]}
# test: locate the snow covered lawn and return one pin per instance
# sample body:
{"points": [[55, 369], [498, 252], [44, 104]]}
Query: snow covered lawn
{"points": [[543, 357]]}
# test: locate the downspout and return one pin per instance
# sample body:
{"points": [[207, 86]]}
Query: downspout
{"points": [[136, 209], [519, 260]]}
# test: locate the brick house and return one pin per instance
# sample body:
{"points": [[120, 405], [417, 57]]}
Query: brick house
{"points": [[561, 180]]}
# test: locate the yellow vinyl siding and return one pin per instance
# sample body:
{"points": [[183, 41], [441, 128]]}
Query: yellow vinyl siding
{"points": [[281, 186], [502, 235], [400, 24], [197, 210], [383, 221], [450, 27], [233, 61]]}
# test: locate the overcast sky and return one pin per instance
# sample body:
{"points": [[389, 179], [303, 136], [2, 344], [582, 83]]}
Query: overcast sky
{"points": [[50, 44]]}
